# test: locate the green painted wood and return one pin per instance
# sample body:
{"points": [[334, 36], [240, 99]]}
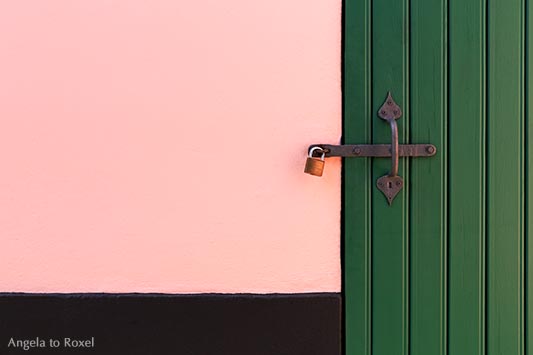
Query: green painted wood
{"points": [[466, 199], [529, 178], [390, 234], [505, 177], [357, 177], [428, 178], [446, 269]]}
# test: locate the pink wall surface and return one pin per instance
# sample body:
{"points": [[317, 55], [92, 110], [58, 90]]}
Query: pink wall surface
{"points": [[158, 146]]}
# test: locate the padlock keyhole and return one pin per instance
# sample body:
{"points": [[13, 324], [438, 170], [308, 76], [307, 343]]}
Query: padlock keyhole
{"points": [[390, 184]]}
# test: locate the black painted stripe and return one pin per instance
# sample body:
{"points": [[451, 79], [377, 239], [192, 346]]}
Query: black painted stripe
{"points": [[214, 324]]}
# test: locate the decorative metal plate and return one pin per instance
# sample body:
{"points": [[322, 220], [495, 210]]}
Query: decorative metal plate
{"points": [[390, 109], [390, 186]]}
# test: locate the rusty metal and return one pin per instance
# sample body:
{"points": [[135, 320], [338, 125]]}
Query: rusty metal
{"points": [[390, 112], [390, 109], [390, 184], [315, 166], [376, 150]]}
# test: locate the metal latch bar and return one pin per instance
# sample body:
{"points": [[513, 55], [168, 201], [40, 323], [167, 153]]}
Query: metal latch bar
{"points": [[376, 150]]}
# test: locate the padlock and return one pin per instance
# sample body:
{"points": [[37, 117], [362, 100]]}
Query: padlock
{"points": [[315, 166]]}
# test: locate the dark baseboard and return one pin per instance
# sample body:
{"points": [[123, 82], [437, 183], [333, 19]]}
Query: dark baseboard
{"points": [[159, 324]]}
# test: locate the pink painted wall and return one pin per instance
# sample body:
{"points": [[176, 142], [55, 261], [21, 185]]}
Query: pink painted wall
{"points": [[158, 146]]}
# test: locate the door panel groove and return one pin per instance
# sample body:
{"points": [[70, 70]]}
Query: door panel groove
{"points": [[528, 193]]}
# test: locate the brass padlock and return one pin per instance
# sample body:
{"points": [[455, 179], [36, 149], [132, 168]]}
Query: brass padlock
{"points": [[315, 166]]}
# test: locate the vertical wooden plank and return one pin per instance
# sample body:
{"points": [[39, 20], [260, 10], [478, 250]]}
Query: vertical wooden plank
{"points": [[505, 177], [529, 177], [390, 274], [467, 116], [428, 179], [357, 177]]}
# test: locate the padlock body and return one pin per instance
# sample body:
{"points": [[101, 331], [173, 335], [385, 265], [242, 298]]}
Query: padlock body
{"points": [[314, 166]]}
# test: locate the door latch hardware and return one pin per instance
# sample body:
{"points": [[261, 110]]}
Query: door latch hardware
{"points": [[315, 166], [391, 183]]}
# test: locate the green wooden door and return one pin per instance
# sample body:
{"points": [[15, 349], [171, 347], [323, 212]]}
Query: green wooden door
{"points": [[445, 269]]}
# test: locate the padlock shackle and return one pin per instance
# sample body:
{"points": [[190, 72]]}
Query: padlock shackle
{"points": [[311, 151]]}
